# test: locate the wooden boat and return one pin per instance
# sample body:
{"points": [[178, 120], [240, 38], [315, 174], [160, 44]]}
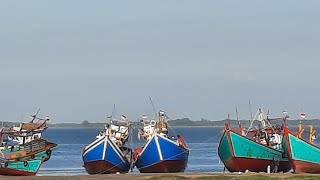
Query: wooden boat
{"points": [[36, 149], [23, 151], [108, 153], [20, 168], [28, 138], [26, 132], [160, 154], [254, 149], [304, 155]]}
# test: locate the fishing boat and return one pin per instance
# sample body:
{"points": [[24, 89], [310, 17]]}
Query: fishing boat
{"points": [[26, 132], [22, 151], [255, 149], [35, 149], [160, 153], [27, 137], [107, 153], [19, 168], [304, 154]]}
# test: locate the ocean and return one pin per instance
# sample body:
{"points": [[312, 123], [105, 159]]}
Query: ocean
{"points": [[66, 159]]}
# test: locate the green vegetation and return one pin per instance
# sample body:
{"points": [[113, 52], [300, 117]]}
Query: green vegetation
{"points": [[254, 176], [184, 122], [304, 176], [166, 177], [258, 177], [218, 177]]}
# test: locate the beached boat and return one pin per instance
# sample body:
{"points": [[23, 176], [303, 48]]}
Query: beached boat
{"points": [[22, 151], [35, 149], [27, 137], [304, 155], [253, 149], [26, 132], [19, 168], [108, 153], [160, 154]]}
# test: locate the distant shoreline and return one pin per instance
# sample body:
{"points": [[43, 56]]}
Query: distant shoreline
{"points": [[178, 123]]}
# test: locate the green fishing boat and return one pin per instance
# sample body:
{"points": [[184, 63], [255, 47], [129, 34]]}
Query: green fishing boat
{"points": [[304, 155], [20, 168], [255, 150], [22, 148]]}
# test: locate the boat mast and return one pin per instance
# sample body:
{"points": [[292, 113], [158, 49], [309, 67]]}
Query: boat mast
{"points": [[237, 116], [154, 109], [250, 110]]}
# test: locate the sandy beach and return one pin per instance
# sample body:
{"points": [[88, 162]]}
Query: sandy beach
{"points": [[179, 176]]}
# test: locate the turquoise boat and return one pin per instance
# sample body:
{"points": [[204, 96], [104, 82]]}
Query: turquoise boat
{"points": [[22, 148], [36, 149], [241, 152], [20, 168], [25, 159], [304, 156]]}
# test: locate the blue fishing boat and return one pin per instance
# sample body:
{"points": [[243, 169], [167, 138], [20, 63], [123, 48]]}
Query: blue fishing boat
{"points": [[160, 154], [107, 153]]}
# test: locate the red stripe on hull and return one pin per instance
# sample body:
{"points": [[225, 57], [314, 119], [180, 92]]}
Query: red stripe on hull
{"points": [[255, 165], [305, 167], [102, 167], [168, 166], [14, 172]]}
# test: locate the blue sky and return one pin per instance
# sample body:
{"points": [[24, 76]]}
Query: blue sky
{"points": [[75, 59]]}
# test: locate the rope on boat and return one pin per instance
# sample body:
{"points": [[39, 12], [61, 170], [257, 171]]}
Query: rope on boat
{"points": [[164, 159], [175, 134], [102, 172], [211, 138]]}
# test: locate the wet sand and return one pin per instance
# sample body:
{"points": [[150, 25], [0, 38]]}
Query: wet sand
{"points": [[163, 176]]}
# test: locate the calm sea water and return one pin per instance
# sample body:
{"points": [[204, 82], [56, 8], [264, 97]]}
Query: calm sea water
{"points": [[67, 160]]}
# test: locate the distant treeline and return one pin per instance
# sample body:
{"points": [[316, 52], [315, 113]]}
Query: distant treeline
{"points": [[184, 122]]}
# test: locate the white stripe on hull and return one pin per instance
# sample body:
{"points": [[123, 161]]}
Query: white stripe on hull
{"points": [[158, 148], [104, 147], [88, 150]]}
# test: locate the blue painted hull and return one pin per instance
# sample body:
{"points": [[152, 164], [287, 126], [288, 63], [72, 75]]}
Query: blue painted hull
{"points": [[161, 154], [102, 156]]}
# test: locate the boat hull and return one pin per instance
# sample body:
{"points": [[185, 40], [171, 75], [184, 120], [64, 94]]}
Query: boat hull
{"points": [[44, 153], [103, 157], [20, 168], [254, 165], [37, 149], [239, 153], [102, 167], [304, 156], [162, 155], [170, 166]]}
